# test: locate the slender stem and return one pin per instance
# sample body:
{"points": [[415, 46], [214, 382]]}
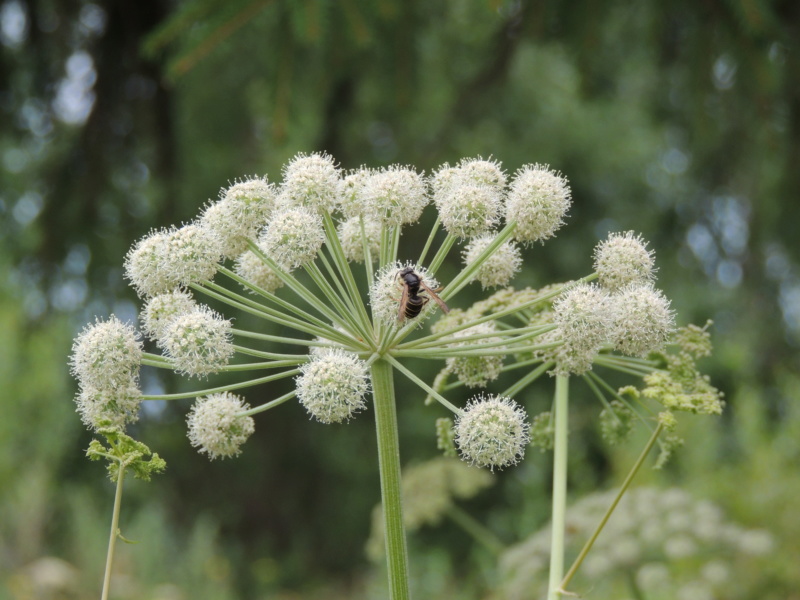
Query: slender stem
{"points": [[430, 391], [391, 496], [428, 243], [269, 355], [367, 252], [559, 486], [112, 538], [625, 484], [441, 254], [526, 380], [476, 529], [224, 388], [277, 402]]}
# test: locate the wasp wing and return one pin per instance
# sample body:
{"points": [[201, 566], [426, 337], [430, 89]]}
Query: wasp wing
{"points": [[433, 295]]}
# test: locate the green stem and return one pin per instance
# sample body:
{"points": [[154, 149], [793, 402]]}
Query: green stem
{"points": [[224, 388], [425, 387], [389, 462], [428, 243], [476, 529], [268, 405], [557, 544], [441, 254], [625, 484], [112, 539], [526, 380]]}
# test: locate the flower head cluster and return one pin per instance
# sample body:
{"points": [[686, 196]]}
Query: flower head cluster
{"points": [[642, 320], [538, 201], [177, 257], [238, 216], [333, 385], [199, 342], [583, 317], [492, 432], [499, 267], [352, 235], [312, 181], [394, 196], [293, 237], [623, 259], [256, 272], [160, 311], [651, 535], [216, 427], [105, 359], [470, 196]]}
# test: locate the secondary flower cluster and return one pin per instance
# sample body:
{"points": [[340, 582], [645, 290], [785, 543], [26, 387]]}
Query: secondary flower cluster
{"points": [[307, 234], [653, 535]]}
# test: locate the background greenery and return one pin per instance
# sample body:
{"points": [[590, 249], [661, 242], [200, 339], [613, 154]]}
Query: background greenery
{"points": [[677, 119]]}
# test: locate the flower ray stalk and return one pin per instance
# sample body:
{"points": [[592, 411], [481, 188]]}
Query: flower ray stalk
{"points": [[301, 290], [623, 488], [312, 325], [341, 307], [442, 253], [425, 387], [429, 241], [223, 388], [264, 407], [528, 379]]}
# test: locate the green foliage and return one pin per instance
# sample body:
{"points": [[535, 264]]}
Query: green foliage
{"points": [[122, 453]]}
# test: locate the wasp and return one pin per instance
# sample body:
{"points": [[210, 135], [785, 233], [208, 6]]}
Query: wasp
{"points": [[415, 295]]}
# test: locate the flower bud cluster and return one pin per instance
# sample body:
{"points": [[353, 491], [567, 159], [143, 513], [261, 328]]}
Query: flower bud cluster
{"points": [[215, 427], [293, 238], [160, 311], [538, 200], [651, 534], [105, 359], [583, 316], [394, 196], [350, 234]]}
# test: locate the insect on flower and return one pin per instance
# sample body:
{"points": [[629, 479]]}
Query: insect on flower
{"points": [[412, 301]]}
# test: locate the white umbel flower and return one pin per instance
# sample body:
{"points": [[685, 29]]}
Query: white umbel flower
{"points": [[500, 267], [109, 406], [352, 201], [256, 271], [583, 316], [293, 237], [143, 265], [106, 354], [174, 258], [469, 209], [538, 201], [240, 214], [199, 342], [623, 259], [492, 431], [643, 320], [333, 385], [312, 181], [215, 428], [350, 235], [395, 196], [160, 311]]}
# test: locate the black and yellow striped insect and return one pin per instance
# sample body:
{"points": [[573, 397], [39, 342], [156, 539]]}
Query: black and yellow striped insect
{"points": [[416, 294]]}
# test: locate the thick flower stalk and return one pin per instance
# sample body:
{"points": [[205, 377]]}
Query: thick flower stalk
{"points": [[359, 304]]}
